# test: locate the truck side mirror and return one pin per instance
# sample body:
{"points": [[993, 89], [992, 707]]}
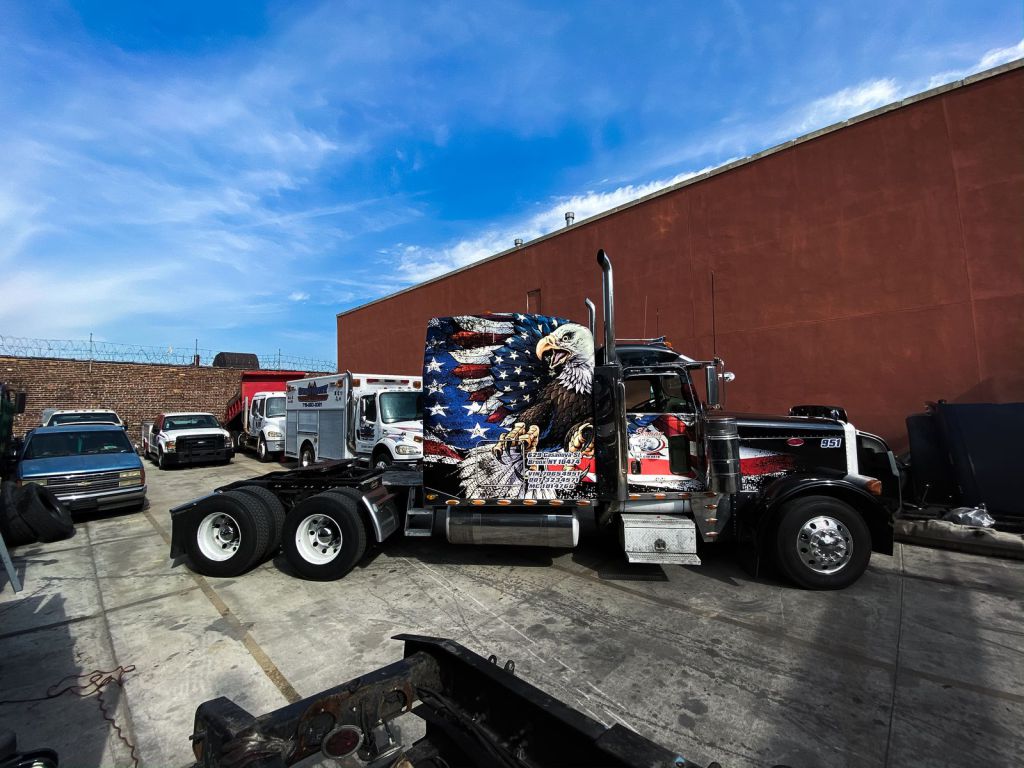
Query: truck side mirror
{"points": [[19, 402], [711, 382]]}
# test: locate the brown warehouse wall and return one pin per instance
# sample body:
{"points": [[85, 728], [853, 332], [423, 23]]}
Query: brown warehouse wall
{"points": [[875, 266], [136, 391]]}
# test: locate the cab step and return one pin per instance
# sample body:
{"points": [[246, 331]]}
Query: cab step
{"points": [[419, 522]]}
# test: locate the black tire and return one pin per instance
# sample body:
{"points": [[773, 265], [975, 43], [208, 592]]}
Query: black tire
{"points": [[44, 514], [382, 459], [335, 510], [846, 537], [306, 456], [274, 508], [239, 441], [261, 451], [14, 529], [161, 462], [245, 517]]}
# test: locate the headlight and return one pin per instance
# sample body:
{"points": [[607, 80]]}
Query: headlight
{"points": [[169, 446], [273, 434], [129, 477], [227, 441], [407, 450], [33, 480]]}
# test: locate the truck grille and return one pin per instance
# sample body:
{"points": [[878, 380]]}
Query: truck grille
{"points": [[200, 446], [85, 482]]}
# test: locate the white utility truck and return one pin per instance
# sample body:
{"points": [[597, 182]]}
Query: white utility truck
{"points": [[369, 416]]}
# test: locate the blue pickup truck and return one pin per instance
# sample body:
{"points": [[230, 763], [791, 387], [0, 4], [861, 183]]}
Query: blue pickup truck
{"points": [[87, 466]]}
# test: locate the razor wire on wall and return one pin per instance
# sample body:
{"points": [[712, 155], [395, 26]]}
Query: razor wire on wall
{"points": [[114, 352]]}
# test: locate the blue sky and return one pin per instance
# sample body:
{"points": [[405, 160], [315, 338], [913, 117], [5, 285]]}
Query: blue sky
{"points": [[239, 172]]}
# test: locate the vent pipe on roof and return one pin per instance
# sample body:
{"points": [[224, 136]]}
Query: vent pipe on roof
{"points": [[519, 242], [569, 218]]}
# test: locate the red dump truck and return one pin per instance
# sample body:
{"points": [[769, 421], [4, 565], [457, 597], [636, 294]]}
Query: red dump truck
{"points": [[255, 415]]}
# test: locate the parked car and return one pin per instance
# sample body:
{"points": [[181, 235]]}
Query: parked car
{"points": [[90, 466], [56, 417]]}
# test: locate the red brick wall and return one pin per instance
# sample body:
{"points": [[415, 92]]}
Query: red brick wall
{"points": [[135, 391], [875, 266]]}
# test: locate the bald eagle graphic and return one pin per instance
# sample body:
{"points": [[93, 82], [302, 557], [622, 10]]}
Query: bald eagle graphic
{"points": [[526, 383]]}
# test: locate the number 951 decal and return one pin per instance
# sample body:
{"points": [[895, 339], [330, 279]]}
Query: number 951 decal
{"points": [[832, 442]]}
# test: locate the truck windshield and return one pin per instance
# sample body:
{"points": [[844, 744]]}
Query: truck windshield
{"points": [[72, 442], [192, 421], [275, 407], [401, 406]]}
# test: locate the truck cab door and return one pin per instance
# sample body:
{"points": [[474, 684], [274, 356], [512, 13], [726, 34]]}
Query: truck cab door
{"points": [[366, 425], [661, 420], [260, 418]]}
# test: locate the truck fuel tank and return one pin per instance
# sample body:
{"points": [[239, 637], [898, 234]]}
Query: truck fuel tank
{"points": [[523, 529], [723, 453]]}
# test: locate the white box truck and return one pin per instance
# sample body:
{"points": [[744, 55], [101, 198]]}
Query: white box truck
{"points": [[370, 416]]}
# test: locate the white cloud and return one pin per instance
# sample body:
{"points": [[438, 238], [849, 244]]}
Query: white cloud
{"points": [[298, 296], [998, 56], [417, 263], [989, 60], [847, 103]]}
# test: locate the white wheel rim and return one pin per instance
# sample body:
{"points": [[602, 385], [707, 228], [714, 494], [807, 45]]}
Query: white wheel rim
{"points": [[318, 539], [218, 537]]}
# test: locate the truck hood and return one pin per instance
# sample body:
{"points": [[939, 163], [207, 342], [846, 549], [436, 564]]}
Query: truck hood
{"points": [[69, 465], [202, 431], [403, 430], [795, 425]]}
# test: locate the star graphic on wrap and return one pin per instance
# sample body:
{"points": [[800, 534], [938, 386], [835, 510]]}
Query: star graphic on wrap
{"points": [[436, 387], [438, 410], [472, 408], [433, 366], [477, 431]]}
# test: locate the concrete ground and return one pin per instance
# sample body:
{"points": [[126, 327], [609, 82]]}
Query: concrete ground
{"points": [[920, 663]]}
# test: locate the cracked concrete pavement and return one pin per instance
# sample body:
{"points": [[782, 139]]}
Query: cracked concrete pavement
{"points": [[919, 663]]}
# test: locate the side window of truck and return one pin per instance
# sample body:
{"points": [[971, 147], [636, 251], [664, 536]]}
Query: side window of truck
{"points": [[370, 408]]}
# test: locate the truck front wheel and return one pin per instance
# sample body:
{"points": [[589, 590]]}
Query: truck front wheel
{"points": [[261, 451], [306, 456], [381, 459], [822, 543], [324, 537]]}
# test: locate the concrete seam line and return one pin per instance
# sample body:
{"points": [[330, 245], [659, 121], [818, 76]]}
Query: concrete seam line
{"points": [[836, 651], [27, 556], [129, 725], [258, 654]]}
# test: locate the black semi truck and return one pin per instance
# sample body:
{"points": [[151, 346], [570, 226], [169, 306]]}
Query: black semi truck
{"points": [[534, 435]]}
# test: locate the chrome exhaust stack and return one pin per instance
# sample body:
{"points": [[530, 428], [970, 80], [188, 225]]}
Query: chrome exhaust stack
{"points": [[608, 291]]}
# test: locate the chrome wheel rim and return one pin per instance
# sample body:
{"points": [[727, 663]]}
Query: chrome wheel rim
{"points": [[318, 539], [824, 544], [218, 537]]}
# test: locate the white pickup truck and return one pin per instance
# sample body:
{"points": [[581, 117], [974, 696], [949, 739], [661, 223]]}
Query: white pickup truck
{"points": [[174, 439]]}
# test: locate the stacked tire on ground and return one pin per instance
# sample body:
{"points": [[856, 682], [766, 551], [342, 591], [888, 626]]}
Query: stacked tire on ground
{"points": [[32, 513], [323, 536]]}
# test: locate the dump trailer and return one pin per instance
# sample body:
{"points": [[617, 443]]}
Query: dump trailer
{"points": [[475, 711], [533, 436]]}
